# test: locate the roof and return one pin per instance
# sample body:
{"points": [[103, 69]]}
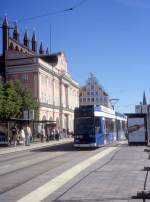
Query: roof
{"points": [[52, 58]]}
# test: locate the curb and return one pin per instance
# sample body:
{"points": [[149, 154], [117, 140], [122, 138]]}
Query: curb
{"points": [[33, 147]]}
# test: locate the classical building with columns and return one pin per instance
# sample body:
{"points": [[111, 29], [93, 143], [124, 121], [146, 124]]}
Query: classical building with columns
{"points": [[45, 74]]}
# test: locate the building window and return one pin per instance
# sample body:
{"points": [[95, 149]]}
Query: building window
{"points": [[106, 99], [92, 93], [24, 77], [96, 99], [96, 93], [92, 99], [88, 99], [88, 93], [80, 99], [92, 87], [84, 99]]}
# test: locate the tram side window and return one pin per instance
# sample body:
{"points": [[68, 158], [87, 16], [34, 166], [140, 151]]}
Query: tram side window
{"points": [[123, 125], [109, 125], [97, 125], [118, 125]]}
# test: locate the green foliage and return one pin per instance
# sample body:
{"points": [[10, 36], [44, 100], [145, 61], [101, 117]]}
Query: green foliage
{"points": [[27, 100], [1, 99], [14, 98]]}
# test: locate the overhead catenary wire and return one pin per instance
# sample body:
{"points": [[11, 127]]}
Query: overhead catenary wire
{"points": [[53, 13]]}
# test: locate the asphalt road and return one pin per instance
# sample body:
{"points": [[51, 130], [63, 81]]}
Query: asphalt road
{"points": [[63, 173]]}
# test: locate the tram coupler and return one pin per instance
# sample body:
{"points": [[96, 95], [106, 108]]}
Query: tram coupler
{"points": [[142, 195]]}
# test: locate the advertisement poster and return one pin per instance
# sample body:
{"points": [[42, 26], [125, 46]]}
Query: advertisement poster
{"points": [[136, 129]]}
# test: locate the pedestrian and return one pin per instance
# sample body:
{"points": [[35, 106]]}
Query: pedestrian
{"points": [[60, 134], [64, 132], [28, 135], [47, 134], [56, 134], [14, 135], [42, 133], [22, 135], [50, 134]]}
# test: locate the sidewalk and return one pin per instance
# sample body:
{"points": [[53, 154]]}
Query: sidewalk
{"points": [[35, 145]]}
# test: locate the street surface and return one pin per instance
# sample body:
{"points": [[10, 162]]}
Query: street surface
{"points": [[62, 173]]}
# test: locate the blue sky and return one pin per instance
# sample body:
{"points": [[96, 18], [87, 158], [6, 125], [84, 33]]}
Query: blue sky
{"points": [[110, 38]]}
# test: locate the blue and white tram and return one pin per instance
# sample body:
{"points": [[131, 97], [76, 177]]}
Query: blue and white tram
{"points": [[95, 126]]}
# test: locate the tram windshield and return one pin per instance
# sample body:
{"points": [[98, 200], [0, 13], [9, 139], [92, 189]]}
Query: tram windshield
{"points": [[84, 126]]}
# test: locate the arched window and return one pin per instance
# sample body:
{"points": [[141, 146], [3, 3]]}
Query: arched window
{"points": [[11, 46], [44, 118], [51, 119]]}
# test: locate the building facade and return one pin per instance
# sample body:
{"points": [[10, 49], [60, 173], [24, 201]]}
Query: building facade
{"points": [[93, 93], [46, 75]]}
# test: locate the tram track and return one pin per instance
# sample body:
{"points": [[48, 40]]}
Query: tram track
{"points": [[24, 153], [17, 157], [56, 161], [84, 177], [40, 168], [52, 149], [9, 188]]}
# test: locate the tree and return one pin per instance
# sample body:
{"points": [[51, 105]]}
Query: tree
{"points": [[14, 98], [13, 101], [1, 99], [28, 103]]}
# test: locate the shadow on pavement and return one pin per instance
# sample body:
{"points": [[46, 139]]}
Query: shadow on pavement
{"points": [[61, 147]]}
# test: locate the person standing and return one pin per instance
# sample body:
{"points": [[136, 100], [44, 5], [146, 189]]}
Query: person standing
{"points": [[28, 135], [47, 134], [50, 134], [22, 135], [14, 135], [42, 133], [56, 134]]}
